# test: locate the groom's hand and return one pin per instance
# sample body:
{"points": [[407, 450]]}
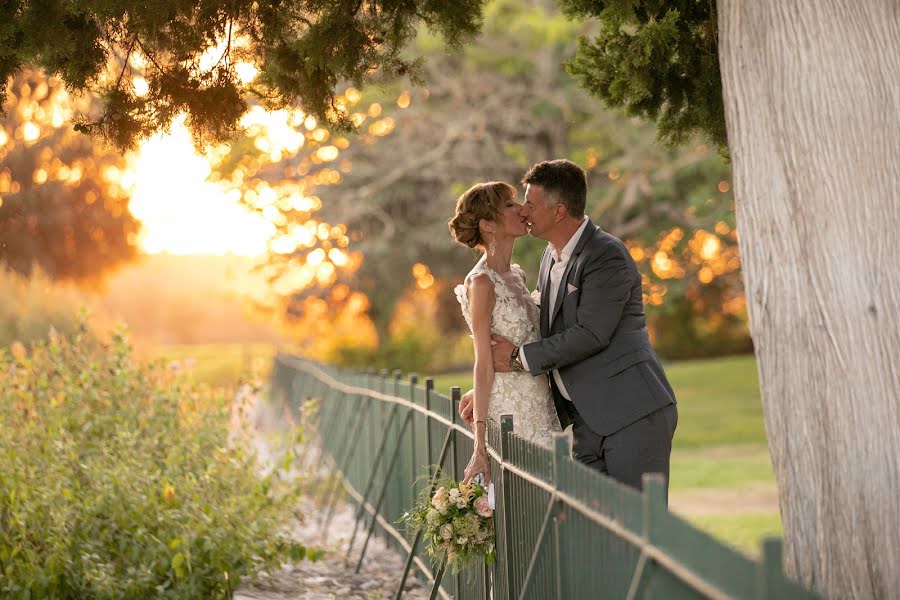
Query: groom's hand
{"points": [[466, 407], [502, 351]]}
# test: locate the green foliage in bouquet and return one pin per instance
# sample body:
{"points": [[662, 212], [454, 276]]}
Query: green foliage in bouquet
{"points": [[457, 524], [118, 482]]}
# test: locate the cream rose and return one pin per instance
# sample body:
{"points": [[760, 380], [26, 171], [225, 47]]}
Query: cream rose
{"points": [[482, 507]]}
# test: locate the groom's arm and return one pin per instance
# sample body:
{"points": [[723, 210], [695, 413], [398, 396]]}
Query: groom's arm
{"points": [[606, 285]]}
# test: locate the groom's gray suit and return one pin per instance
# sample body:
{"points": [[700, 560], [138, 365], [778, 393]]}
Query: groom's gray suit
{"points": [[622, 407]]}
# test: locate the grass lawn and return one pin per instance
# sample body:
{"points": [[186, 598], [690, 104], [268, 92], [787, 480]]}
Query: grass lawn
{"points": [[719, 448], [216, 364], [718, 400], [744, 531]]}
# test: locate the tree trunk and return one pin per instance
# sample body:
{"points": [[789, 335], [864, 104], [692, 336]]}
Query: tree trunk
{"points": [[812, 98]]}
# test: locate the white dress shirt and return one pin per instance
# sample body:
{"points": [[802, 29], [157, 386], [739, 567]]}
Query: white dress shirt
{"points": [[556, 272]]}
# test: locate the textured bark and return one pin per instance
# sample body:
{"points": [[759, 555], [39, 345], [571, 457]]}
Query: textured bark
{"points": [[812, 98]]}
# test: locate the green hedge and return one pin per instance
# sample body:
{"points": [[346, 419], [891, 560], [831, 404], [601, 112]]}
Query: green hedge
{"points": [[118, 482]]}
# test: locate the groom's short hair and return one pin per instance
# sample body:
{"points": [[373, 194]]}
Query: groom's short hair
{"points": [[564, 181]]}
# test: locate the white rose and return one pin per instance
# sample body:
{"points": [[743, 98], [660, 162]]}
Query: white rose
{"points": [[462, 541]]}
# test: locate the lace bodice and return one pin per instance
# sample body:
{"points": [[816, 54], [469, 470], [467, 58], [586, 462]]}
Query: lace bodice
{"points": [[515, 315], [524, 396]]}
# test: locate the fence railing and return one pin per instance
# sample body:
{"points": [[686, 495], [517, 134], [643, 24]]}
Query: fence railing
{"points": [[562, 529]]}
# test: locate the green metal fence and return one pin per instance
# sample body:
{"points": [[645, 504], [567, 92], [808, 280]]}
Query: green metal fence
{"points": [[562, 530]]}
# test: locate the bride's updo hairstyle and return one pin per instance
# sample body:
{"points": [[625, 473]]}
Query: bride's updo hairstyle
{"points": [[481, 201]]}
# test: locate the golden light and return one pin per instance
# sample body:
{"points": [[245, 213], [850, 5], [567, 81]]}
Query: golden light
{"points": [[722, 228], [419, 270], [327, 153], [183, 213], [284, 244], [30, 131], [374, 110], [637, 253], [303, 236], [320, 134], [724, 186], [273, 131], [309, 122], [403, 100], [141, 87], [3, 137], [271, 214], [382, 127], [423, 283], [315, 258], [661, 264], [246, 72], [705, 275], [710, 248], [614, 174], [352, 95], [325, 274], [39, 176], [338, 257]]}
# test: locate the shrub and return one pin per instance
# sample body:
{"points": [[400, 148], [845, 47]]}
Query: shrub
{"points": [[32, 305], [118, 482]]}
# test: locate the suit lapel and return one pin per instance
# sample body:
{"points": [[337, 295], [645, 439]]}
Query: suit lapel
{"points": [[546, 264], [563, 283]]}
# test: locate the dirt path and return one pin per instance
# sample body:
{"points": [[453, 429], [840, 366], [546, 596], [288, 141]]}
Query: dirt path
{"points": [[759, 498]]}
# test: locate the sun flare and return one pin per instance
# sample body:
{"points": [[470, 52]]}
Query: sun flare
{"points": [[181, 211]]}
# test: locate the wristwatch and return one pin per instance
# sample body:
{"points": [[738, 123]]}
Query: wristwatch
{"points": [[515, 363]]}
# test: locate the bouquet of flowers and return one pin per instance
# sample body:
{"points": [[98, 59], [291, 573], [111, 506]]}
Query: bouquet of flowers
{"points": [[457, 522]]}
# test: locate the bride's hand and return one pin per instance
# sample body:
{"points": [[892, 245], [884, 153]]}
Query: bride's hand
{"points": [[466, 407], [478, 464]]}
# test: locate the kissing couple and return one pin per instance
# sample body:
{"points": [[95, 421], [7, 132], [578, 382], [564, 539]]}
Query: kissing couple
{"points": [[575, 351]]}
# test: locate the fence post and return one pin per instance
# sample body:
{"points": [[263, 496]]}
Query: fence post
{"points": [[429, 389], [454, 464], [769, 570], [654, 499], [560, 456], [506, 429]]}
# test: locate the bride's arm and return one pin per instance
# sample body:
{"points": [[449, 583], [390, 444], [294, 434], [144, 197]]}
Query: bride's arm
{"points": [[481, 307]]}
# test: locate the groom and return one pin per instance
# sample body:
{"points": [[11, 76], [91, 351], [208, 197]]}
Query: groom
{"points": [[606, 380]]}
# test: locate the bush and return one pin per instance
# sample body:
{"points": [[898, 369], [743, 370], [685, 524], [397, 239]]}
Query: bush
{"points": [[120, 483], [32, 305]]}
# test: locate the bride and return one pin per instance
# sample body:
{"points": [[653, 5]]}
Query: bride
{"points": [[494, 299]]}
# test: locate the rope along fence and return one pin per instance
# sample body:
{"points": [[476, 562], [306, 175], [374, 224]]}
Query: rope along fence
{"points": [[562, 530]]}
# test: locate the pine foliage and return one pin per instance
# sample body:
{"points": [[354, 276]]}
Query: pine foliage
{"points": [[658, 60], [302, 50]]}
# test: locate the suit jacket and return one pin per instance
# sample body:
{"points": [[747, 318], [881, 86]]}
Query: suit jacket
{"points": [[597, 337]]}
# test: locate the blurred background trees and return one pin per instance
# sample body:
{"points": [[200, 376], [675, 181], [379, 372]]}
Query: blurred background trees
{"points": [[513, 104], [358, 258], [59, 211]]}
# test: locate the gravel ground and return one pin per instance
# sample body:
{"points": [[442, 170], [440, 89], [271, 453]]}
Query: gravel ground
{"points": [[331, 576]]}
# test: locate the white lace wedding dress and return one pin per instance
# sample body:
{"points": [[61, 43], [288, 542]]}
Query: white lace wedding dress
{"points": [[516, 317]]}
